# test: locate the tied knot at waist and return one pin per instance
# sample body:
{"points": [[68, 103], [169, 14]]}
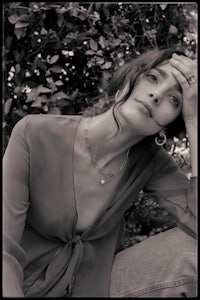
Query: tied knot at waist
{"points": [[75, 239], [60, 271]]}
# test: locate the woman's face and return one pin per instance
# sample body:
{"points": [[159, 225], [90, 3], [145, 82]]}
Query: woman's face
{"points": [[155, 101]]}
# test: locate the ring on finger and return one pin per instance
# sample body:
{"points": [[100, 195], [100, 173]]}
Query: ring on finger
{"points": [[191, 79]]}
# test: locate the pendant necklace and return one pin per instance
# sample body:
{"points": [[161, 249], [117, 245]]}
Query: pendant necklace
{"points": [[105, 176]]}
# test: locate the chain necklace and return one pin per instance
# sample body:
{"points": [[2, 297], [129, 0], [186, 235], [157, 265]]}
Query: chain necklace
{"points": [[109, 175]]}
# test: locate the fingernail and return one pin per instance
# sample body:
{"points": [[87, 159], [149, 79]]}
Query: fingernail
{"points": [[175, 55]]}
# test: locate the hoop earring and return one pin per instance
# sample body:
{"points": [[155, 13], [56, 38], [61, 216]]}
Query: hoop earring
{"points": [[163, 140]]}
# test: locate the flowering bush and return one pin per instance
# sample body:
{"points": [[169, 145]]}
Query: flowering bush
{"points": [[59, 56]]}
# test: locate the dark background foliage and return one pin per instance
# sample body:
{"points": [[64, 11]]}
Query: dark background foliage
{"points": [[58, 57]]}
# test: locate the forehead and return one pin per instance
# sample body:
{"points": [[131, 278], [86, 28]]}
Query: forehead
{"points": [[165, 67], [165, 70]]}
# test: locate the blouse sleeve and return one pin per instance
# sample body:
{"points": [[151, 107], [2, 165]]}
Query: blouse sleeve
{"points": [[174, 191], [15, 205]]}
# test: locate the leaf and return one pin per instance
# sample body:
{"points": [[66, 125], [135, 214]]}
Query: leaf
{"points": [[63, 102], [37, 103], [116, 43], [54, 45], [53, 59], [54, 111], [59, 96], [99, 53], [69, 26], [163, 6], [48, 73], [19, 112], [93, 45], [17, 68], [7, 105], [59, 83], [173, 29], [56, 69], [14, 4], [60, 20], [66, 40], [33, 94], [100, 104], [17, 55], [24, 18], [100, 61], [43, 98], [13, 19], [18, 90], [43, 31], [42, 89], [89, 52], [74, 94], [20, 24], [107, 65], [102, 42], [38, 64], [8, 42], [105, 79], [106, 10], [20, 32]]}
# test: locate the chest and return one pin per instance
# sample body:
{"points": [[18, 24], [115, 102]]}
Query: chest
{"points": [[92, 198]]}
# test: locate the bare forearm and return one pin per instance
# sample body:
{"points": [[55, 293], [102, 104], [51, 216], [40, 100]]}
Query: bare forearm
{"points": [[191, 128]]}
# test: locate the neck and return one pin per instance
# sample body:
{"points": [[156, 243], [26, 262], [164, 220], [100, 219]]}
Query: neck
{"points": [[100, 130]]}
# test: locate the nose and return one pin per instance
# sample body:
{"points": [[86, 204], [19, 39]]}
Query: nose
{"points": [[155, 99]]}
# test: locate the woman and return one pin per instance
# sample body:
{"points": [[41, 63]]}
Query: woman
{"points": [[69, 179]]}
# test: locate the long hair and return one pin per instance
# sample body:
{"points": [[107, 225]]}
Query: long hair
{"points": [[130, 72]]}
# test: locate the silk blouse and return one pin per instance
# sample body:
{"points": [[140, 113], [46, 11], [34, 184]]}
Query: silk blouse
{"points": [[42, 254]]}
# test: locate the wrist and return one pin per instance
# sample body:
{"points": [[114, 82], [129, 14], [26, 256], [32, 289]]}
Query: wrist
{"points": [[190, 121]]}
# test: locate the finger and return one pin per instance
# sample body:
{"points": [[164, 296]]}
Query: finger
{"points": [[184, 69], [188, 62], [182, 80], [184, 59]]}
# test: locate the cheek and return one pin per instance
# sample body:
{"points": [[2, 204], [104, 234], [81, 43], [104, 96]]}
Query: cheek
{"points": [[167, 114], [141, 87]]}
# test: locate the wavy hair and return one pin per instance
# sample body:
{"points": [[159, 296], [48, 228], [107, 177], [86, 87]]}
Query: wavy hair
{"points": [[130, 72]]}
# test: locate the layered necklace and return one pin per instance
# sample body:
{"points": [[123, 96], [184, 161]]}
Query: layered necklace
{"points": [[109, 175]]}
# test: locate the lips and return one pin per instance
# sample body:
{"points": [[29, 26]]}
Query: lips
{"points": [[146, 106]]}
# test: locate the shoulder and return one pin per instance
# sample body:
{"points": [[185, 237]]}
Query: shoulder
{"points": [[159, 157], [39, 124], [40, 131], [48, 121]]}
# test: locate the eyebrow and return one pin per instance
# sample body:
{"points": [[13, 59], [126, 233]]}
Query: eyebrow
{"points": [[165, 75], [162, 73]]}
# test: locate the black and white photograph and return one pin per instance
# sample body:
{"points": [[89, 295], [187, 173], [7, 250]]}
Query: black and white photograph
{"points": [[99, 149]]}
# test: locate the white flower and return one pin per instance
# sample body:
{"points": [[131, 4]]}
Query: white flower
{"points": [[27, 73]]}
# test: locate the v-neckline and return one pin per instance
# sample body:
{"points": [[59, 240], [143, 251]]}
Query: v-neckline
{"points": [[102, 211], [113, 201]]}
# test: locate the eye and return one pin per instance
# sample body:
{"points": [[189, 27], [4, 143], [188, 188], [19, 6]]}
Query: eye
{"points": [[174, 100], [152, 77]]}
